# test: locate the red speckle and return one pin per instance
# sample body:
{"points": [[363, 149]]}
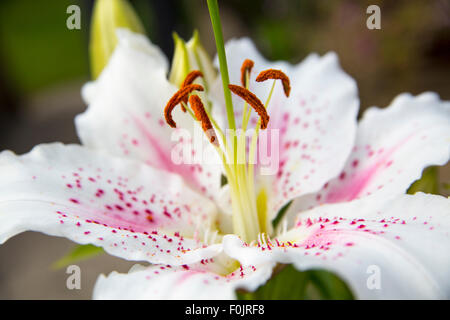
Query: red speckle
{"points": [[166, 213]]}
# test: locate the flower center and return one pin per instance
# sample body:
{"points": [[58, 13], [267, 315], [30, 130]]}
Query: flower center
{"points": [[249, 206]]}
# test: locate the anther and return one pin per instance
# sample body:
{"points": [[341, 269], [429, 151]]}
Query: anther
{"points": [[247, 66], [190, 78], [276, 75], [253, 101], [201, 115], [176, 99]]}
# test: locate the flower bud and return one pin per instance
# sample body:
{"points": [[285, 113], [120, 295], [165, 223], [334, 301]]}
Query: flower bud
{"points": [[191, 56], [180, 62], [107, 17]]}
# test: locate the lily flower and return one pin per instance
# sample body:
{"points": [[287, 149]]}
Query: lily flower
{"points": [[120, 190]]}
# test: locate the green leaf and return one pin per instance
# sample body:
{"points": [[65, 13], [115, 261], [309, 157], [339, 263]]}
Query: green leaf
{"points": [[223, 180], [280, 214], [429, 183], [325, 285], [81, 252], [290, 284]]}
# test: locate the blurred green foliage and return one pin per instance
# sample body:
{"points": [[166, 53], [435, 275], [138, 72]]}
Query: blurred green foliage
{"points": [[410, 52], [79, 253], [290, 284], [428, 183], [37, 49]]}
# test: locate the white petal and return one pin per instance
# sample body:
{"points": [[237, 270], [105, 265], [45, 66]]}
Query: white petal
{"points": [[317, 128], [125, 114], [393, 146], [129, 209], [192, 283], [88, 92], [139, 45], [406, 240]]}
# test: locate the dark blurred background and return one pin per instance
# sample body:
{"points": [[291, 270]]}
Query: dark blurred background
{"points": [[43, 66]]}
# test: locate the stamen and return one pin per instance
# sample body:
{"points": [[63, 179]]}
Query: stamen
{"points": [[276, 75], [247, 66], [190, 78], [253, 101], [200, 114], [176, 99]]}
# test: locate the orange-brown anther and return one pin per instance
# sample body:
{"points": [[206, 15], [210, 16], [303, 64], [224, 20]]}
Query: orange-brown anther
{"points": [[247, 66], [201, 115], [176, 99], [253, 101], [190, 78], [278, 75]]}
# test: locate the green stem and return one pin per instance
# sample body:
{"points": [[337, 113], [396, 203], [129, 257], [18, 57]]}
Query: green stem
{"points": [[217, 28]]}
